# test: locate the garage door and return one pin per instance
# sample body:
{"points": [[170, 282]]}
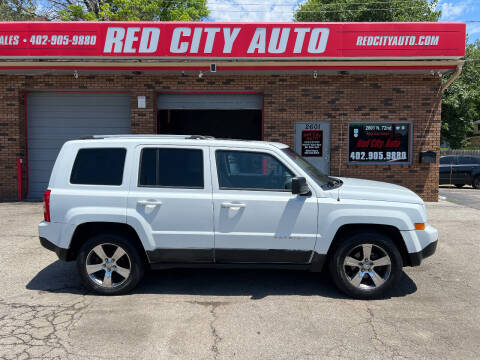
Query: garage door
{"points": [[222, 115], [200, 101], [54, 118]]}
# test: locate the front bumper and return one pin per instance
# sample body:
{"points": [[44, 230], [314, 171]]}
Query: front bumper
{"points": [[420, 244], [429, 250], [61, 252]]}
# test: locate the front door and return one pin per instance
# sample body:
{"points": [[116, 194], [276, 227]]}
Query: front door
{"points": [[312, 142], [257, 218], [445, 169], [171, 197]]}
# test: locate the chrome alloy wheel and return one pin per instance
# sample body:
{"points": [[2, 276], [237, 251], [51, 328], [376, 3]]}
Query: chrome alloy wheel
{"points": [[108, 265], [367, 266]]}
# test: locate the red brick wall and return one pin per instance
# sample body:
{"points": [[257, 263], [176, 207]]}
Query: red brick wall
{"points": [[287, 98]]}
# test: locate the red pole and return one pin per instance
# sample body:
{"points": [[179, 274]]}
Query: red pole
{"points": [[19, 179]]}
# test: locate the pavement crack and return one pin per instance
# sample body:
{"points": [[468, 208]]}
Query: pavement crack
{"points": [[38, 331], [213, 307], [395, 354], [213, 329]]}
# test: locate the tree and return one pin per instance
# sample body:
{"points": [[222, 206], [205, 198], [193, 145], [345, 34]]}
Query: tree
{"points": [[18, 10], [367, 10], [130, 10], [461, 101]]}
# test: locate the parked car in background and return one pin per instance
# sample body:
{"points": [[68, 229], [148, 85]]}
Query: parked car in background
{"points": [[460, 170]]}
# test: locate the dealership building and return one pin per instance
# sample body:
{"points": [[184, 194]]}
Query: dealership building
{"points": [[356, 99]]}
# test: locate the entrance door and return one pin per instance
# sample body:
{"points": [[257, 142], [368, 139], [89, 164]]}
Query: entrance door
{"points": [[312, 141], [257, 218]]}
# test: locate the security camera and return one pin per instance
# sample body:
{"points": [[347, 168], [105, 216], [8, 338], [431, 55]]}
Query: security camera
{"points": [[315, 74], [75, 74], [213, 68], [200, 75]]}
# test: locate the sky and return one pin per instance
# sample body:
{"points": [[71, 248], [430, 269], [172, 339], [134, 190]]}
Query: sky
{"points": [[282, 10]]}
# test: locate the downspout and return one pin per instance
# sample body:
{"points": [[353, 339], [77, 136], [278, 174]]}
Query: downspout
{"points": [[454, 77]]}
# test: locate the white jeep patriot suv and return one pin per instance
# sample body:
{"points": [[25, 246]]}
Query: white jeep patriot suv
{"points": [[119, 204]]}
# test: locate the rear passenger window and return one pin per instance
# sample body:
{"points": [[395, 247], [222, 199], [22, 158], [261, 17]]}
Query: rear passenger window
{"points": [[98, 166], [171, 168]]}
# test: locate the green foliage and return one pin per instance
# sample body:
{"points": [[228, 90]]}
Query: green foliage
{"points": [[367, 10], [133, 10], [18, 10], [461, 101]]}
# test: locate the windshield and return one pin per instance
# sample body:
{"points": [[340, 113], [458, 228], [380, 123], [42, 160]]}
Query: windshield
{"points": [[319, 177]]}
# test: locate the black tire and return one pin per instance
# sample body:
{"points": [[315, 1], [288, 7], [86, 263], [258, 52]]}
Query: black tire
{"points": [[459, 185], [476, 182], [352, 245], [109, 242]]}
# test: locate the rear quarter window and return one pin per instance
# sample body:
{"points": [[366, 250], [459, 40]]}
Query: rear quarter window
{"points": [[99, 166]]}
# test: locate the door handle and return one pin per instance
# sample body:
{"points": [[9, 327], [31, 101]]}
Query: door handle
{"points": [[150, 202], [233, 205]]}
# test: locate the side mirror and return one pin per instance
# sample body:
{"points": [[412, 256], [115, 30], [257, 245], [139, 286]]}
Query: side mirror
{"points": [[299, 186]]}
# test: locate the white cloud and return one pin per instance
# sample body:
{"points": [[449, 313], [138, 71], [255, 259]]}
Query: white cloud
{"points": [[452, 11], [252, 10]]}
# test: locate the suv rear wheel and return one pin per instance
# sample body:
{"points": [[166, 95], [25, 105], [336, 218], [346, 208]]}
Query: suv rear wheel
{"points": [[366, 265], [109, 264]]}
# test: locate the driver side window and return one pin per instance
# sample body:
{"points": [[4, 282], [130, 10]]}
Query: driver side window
{"points": [[251, 171]]}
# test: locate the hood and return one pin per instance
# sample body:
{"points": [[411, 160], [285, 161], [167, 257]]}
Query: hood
{"points": [[359, 189]]}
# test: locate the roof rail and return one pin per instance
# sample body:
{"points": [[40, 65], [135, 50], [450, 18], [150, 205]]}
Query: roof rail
{"points": [[140, 136]]}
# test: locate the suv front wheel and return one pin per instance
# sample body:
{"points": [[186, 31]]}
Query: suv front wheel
{"points": [[110, 264], [366, 265]]}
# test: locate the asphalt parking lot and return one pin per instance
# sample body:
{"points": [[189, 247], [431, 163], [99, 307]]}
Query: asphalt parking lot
{"points": [[200, 314], [466, 196]]}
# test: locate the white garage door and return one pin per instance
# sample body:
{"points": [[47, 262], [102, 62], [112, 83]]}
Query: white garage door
{"points": [[54, 118], [199, 101]]}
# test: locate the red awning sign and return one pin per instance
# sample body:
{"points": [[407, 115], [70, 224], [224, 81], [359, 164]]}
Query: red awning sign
{"points": [[231, 40]]}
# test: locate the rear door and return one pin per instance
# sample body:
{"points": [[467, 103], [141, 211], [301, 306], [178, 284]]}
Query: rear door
{"points": [[460, 170], [257, 219], [171, 195], [463, 169]]}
